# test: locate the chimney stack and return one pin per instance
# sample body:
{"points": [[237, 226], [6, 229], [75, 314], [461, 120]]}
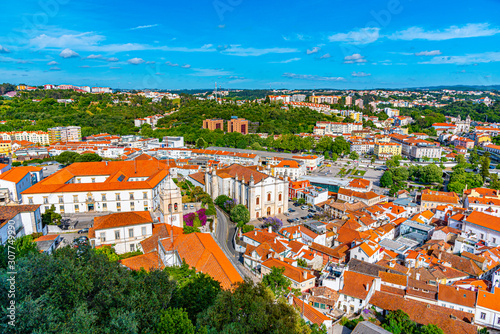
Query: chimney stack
{"points": [[304, 274], [367, 287], [417, 276], [269, 229]]}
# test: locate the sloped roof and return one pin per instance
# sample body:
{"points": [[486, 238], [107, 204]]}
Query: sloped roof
{"points": [[293, 273], [146, 261], [122, 219]]}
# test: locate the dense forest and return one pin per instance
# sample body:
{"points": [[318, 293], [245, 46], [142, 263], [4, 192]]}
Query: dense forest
{"points": [[95, 113]]}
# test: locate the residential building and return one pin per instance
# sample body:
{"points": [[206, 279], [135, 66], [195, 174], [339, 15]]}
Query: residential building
{"points": [[430, 199], [26, 220], [311, 161], [174, 142], [17, 180], [65, 134], [236, 124], [356, 291], [214, 124], [488, 308], [336, 128], [288, 168], [300, 278], [122, 230], [386, 150], [484, 226]]}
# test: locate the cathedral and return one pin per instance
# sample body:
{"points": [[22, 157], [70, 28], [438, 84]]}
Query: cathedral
{"points": [[262, 194], [462, 125]]}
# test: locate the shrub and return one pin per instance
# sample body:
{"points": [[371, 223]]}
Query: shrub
{"points": [[247, 228], [275, 223]]}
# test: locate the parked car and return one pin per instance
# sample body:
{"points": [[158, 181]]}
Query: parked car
{"points": [[312, 210], [310, 215], [304, 217], [291, 210], [296, 204], [290, 220], [304, 207], [297, 219], [83, 230]]}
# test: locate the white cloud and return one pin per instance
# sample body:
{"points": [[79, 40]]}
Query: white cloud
{"points": [[428, 53], [150, 62], [487, 57], [135, 61], [94, 57], [325, 56], [3, 49], [77, 41], [68, 53], [52, 63], [355, 58], [313, 50], [171, 64], [114, 67], [186, 66], [55, 69], [311, 77], [360, 36], [466, 31], [84, 66], [112, 59], [145, 27], [360, 74], [221, 26], [237, 50], [208, 72], [285, 61]]}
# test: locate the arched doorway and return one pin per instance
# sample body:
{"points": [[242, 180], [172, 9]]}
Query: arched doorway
{"points": [[269, 211]]}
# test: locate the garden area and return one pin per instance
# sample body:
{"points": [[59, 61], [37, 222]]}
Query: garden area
{"points": [[238, 213]]}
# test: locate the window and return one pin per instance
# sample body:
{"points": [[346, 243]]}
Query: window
{"points": [[131, 232], [105, 206], [117, 196], [117, 234], [78, 180], [145, 205], [483, 315], [143, 230], [495, 241], [102, 236], [77, 208], [257, 201], [61, 208], [75, 198], [131, 195], [269, 197], [175, 207], [103, 197], [61, 199], [144, 195], [45, 200], [279, 197], [132, 247], [498, 321], [30, 200], [482, 236], [93, 180]]}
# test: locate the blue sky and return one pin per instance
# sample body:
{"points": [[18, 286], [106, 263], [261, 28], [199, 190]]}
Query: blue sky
{"points": [[251, 44]]}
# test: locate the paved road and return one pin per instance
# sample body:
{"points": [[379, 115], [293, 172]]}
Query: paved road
{"points": [[224, 234]]}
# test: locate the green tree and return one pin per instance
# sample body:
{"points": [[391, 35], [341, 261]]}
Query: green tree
{"points": [[67, 157], [334, 157], [386, 180], [221, 199], [109, 252], [277, 282], [494, 182], [485, 167], [190, 229], [174, 321], [353, 155], [251, 308], [201, 143], [431, 173], [51, 217], [430, 329], [88, 157], [240, 214]]}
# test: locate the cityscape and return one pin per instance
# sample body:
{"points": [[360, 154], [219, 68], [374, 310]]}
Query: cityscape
{"points": [[227, 170]]}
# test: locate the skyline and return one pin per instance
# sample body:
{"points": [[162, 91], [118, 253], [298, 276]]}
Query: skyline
{"points": [[238, 44]]}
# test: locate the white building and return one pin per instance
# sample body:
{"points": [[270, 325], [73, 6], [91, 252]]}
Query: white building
{"points": [[24, 219], [488, 308], [19, 179], [336, 128], [262, 194], [112, 186], [289, 168], [124, 230], [486, 227]]}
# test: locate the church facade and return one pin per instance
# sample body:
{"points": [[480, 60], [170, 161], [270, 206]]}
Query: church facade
{"points": [[262, 194]]}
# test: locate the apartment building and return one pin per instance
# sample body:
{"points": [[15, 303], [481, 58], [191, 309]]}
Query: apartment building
{"points": [[214, 124], [330, 99], [336, 128], [386, 150], [37, 137], [65, 134], [238, 125]]}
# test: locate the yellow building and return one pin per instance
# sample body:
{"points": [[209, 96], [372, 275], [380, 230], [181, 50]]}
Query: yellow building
{"points": [[387, 149], [21, 87], [483, 138], [5, 147]]}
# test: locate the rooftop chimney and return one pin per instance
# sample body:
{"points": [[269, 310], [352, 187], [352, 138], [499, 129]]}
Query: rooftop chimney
{"points": [[367, 287], [304, 274], [255, 232], [269, 229], [417, 276]]}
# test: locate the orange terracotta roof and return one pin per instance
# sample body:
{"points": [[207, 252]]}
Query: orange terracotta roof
{"points": [[122, 219], [484, 220], [17, 174], [294, 273], [200, 250], [47, 237], [456, 295], [148, 261], [356, 284], [309, 312]]}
